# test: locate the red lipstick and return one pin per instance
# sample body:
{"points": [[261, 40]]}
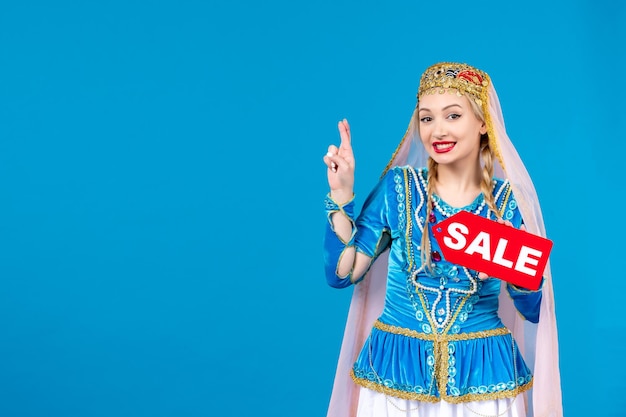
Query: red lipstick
{"points": [[443, 147]]}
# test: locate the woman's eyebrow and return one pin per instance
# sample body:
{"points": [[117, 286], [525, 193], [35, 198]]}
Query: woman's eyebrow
{"points": [[445, 108]]}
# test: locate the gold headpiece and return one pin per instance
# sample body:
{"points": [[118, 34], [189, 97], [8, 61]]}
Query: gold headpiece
{"points": [[461, 77]]}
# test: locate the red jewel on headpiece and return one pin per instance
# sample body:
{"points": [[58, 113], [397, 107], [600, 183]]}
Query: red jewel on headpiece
{"points": [[436, 256], [471, 76]]}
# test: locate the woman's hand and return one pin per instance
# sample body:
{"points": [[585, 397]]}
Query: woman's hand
{"points": [[482, 275], [340, 164]]}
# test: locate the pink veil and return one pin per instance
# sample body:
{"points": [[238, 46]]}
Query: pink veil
{"points": [[537, 342]]}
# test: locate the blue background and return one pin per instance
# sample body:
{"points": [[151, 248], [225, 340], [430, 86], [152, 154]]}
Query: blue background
{"points": [[161, 189]]}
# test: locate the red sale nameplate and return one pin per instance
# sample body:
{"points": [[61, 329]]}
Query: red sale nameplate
{"points": [[498, 250]]}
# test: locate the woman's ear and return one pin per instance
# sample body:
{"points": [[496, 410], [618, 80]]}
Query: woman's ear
{"points": [[483, 128]]}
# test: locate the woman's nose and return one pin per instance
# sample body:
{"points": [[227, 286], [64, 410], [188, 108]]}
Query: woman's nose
{"points": [[439, 130]]}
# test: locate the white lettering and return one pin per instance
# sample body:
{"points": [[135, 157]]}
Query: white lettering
{"points": [[456, 231], [480, 245], [524, 258], [498, 257]]}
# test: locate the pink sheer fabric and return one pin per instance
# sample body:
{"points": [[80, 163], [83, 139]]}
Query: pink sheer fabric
{"points": [[538, 342]]}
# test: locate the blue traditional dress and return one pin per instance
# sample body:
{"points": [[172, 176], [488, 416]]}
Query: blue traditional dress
{"points": [[439, 336]]}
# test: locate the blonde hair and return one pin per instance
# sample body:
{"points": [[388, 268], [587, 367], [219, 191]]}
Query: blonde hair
{"points": [[486, 182]]}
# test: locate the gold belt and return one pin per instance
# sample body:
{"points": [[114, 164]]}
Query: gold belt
{"points": [[436, 337]]}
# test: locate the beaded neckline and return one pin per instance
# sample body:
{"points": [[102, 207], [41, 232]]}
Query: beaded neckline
{"points": [[447, 210]]}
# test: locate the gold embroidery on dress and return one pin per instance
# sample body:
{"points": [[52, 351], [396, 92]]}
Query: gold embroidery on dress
{"points": [[442, 355]]}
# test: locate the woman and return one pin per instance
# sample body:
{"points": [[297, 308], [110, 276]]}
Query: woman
{"points": [[426, 337]]}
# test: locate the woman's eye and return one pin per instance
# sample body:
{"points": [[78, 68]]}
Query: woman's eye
{"points": [[454, 116], [426, 119]]}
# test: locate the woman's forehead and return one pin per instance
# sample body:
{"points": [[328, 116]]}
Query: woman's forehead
{"points": [[442, 98]]}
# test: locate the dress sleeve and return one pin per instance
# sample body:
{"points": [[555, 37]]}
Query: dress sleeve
{"points": [[370, 232], [373, 227], [527, 302]]}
